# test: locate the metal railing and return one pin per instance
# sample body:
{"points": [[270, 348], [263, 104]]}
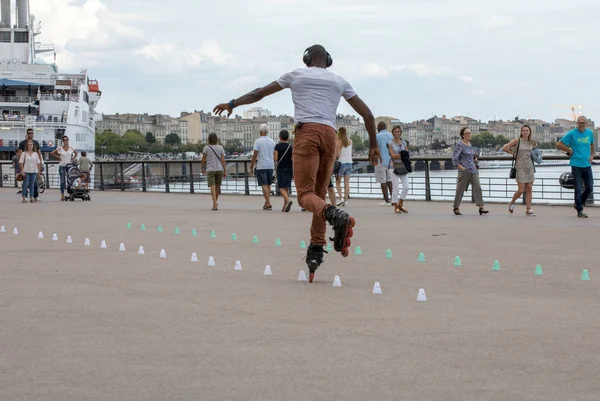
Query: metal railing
{"points": [[433, 179]]}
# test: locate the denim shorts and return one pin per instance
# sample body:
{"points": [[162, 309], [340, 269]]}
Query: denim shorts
{"points": [[284, 177], [345, 169], [264, 177]]}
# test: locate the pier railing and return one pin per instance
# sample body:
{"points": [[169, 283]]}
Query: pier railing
{"points": [[433, 179]]}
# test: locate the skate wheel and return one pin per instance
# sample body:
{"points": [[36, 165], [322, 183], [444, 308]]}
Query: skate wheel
{"points": [[350, 232], [344, 252], [311, 277], [351, 222], [347, 243]]}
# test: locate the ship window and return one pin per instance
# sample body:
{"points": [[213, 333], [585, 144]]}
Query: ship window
{"points": [[4, 37], [21, 37]]}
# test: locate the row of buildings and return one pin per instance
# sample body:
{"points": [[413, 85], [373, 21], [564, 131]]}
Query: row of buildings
{"points": [[196, 126]]}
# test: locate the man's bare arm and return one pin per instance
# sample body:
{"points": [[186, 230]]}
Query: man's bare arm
{"points": [[361, 108], [561, 146], [251, 97]]}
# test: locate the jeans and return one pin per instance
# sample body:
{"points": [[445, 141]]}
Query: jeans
{"points": [[583, 176], [396, 193], [29, 185], [313, 159], [62, 175]]}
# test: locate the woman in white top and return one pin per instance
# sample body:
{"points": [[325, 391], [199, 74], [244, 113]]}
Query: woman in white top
{"points": [[344, 157], [31, 167], [65, 154]]}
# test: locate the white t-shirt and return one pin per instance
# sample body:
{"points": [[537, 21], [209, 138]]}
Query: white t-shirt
{"points": [[30, 162], [265, 147], [65, 155], [316, 93]]}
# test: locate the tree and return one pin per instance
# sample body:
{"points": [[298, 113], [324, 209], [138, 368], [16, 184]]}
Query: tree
{"points": [[150, 138], [233, 145], [109, 142], [172, 139], [357, 143]]}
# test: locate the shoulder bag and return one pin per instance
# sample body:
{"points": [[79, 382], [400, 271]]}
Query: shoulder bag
{"points": [[513, 169], [399, 168]]}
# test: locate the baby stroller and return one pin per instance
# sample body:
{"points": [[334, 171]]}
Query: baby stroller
{"points": [[75, 191]]}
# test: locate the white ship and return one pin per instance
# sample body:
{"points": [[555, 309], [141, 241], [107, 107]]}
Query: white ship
{"points": [[33, 94]]}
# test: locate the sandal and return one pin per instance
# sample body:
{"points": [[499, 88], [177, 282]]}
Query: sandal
{"points": [[265, 207], [457, 212], [215, 206]]}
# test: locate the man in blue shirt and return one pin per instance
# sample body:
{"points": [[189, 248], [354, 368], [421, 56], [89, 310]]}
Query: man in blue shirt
{"points": [[384, 171], [579, 145]]}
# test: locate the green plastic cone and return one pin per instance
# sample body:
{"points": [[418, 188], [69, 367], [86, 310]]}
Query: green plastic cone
{"points": [[496, 266], [388, 254], [329, 247], [177, 230], [539, 271], [212, 234], [194, 232], [160, 230], [421, 257], [277, 242], [255, 240], [358, 251], [302, 244], [128, 225], [457, 261], [233, 237], [143, 227], [585, 276]]}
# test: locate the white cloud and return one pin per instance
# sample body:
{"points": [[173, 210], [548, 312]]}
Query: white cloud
{"points": [[497, 22]]}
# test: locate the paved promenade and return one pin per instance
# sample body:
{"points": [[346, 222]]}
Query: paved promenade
{"points": [[83, 323]]}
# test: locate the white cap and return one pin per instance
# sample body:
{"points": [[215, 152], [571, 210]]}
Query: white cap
{"points": [[264, 128]]}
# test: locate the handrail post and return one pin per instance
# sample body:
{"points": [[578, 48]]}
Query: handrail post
{"points": [[122, 177], [427, 182], [246, 180], [191, 179], [101, 177], [2, 178], [143, 177], [167, 189]]}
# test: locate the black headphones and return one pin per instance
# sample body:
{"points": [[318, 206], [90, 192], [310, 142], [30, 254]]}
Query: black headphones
{"points": [[307, 58]]}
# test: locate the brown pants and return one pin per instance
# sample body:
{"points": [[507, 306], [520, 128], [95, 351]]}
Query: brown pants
{"points": [[314, 155], [464, 179]]}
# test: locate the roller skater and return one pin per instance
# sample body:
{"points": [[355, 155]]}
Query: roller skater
{"points": [[316, 93]]}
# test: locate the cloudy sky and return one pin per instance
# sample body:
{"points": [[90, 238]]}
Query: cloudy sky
{"points": [[406, 58]]}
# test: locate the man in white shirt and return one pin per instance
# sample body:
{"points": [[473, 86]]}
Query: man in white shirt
{"points": [[316, 93], [263, 152]]}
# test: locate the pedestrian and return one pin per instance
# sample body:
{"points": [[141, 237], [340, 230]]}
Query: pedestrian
{"points": [[521, 149], [36, 148], [316, 93], [66, 154], [283, 157], [214, 167], [262, 158], [344, 156], [579, 145], [31, 167], [383, 173], [85, 166], [464, 159], [401, 165]]}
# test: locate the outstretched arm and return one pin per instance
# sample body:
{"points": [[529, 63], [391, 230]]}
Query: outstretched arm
{"points": [[361, 108], [251, 97]]}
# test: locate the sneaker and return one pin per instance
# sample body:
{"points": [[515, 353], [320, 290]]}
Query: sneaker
{"points": [[511, 207], [342, 224], [582, 215], [342, 203], [314, 258], [530, 212], [385, 204]]}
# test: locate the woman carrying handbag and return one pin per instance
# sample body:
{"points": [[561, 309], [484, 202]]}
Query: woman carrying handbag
{"points": [[402, 166], [522, 169]]}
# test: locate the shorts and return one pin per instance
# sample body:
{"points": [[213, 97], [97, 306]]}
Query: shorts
{"points": [[214, 178], [264, 177], [345, 169], [383, 174], [284, 178]]}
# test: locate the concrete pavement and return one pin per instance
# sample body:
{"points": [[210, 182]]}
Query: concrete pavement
{"points": [[81, 323]]}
